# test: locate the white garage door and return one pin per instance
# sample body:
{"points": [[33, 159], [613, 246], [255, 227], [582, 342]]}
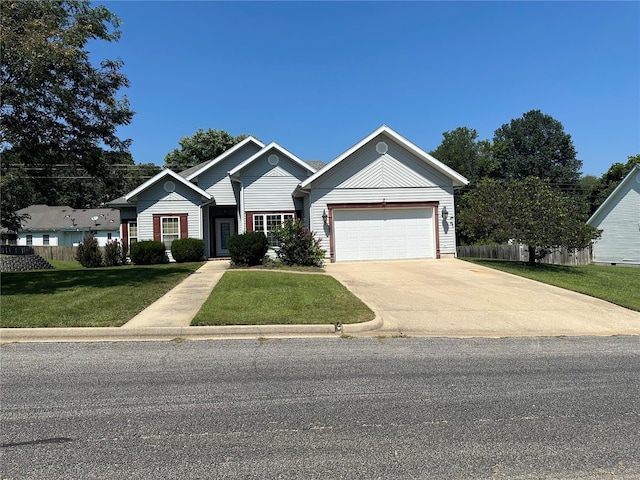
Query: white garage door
{"points": [[383, 234]]}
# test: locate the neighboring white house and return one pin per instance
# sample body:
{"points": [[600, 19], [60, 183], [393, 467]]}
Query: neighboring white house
{"points": [[619, 219], [384, 198], [66, 226]]}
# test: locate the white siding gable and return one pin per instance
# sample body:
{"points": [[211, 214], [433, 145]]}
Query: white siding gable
{"points": [[270, 187], [155, 200], [397, 168], [619, 220], [216, 181]]}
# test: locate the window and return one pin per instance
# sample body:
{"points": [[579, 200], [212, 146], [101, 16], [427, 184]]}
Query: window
{"points": [[268, 223], [133, 232], [29, 240], [108, 236], [170, 230], [45, 239]]}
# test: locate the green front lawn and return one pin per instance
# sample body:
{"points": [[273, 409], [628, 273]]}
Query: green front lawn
{"points": [[74, 296], [268, 297], [619, 285]]}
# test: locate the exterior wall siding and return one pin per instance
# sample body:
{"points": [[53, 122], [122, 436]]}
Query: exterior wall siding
{"points": [[620, 242], [66, 238], [216, 181], [270, 188], [156, 201]]}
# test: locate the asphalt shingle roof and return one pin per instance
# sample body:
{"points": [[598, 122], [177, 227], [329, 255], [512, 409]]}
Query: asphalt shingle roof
{"points": [[46, 218]]}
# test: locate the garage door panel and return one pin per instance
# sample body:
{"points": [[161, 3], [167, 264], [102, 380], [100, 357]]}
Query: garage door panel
{"points": [[382, 234]]}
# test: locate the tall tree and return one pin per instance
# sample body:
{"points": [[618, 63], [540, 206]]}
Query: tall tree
{"points": [[537, 145], [461, 150], [200, 147], [612, 178], [528, 211], [55, 105]]}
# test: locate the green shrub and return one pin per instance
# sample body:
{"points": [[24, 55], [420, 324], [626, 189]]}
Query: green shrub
{"points": [[113, 253], [187, 250], [248, 248], [298, 245], [148, 252], [89, 254]]}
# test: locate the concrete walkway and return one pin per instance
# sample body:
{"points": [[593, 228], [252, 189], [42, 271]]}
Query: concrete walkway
{"points": [[178, 307]]}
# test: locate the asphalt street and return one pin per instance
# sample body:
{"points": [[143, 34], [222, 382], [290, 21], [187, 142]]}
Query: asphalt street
{"points": [[322, 408]]}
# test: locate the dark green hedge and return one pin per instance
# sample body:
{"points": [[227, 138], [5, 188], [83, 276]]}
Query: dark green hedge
{"points": [[248, 248], [187, 250], [147, 252]]}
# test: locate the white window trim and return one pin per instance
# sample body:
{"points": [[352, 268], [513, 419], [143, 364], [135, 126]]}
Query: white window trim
{"points": [[129, 236], [162, 234], [264, 216]]}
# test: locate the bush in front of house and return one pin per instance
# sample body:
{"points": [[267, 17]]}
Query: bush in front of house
{"points": [[88, 253], [187, 250], [248, 248], [147, 252], [298, 245], [113, 253]]}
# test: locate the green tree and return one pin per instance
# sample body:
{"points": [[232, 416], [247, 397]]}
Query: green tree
{"points": [[462, 151], [200, 147], [536, 145], [589, 187], [57, 108], [65, 183], [528, 211]]}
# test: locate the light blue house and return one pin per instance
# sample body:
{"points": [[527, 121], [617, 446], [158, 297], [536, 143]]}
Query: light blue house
{"points": [[619, 219], [384, 198]]}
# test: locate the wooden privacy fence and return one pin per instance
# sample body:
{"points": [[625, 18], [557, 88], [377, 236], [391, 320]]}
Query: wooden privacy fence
{"points": [[559, 256], [52, 252]]}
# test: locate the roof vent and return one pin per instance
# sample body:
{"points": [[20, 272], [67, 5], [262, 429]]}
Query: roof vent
{"points": [[382, 148], [273, 159], [169, 186]]}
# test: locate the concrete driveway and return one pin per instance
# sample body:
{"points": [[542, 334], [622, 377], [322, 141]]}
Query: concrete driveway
{"points": [[451, 297]]}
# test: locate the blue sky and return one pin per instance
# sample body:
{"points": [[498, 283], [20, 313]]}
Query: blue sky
{"points": [[317, 77]]}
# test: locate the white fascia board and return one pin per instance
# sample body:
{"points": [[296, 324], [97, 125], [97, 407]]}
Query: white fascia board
{"points": [[271, 146], [225, 154], [612, 195], [424, 156], [160, 176]]}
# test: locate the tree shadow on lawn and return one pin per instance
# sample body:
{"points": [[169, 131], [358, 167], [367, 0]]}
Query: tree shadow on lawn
{"points": [[52, 281]]}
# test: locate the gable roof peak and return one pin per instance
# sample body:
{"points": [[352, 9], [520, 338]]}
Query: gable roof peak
{"points": [[205, 166], [458, 180]]}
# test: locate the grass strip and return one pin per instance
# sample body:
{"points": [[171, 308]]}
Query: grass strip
{"points": [[619, 285], [268, 298], [74, 296]]}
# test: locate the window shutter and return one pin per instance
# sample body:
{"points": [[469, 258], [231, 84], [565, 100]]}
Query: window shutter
{"points": [[156, 228], [249, 222], [184, 225], [125, 232]]}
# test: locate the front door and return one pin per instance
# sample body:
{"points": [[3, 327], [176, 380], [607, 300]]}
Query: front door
{"points": [[225, 227]]}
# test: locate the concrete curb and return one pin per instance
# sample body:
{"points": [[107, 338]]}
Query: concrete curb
{"points": [[111, 334]]}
